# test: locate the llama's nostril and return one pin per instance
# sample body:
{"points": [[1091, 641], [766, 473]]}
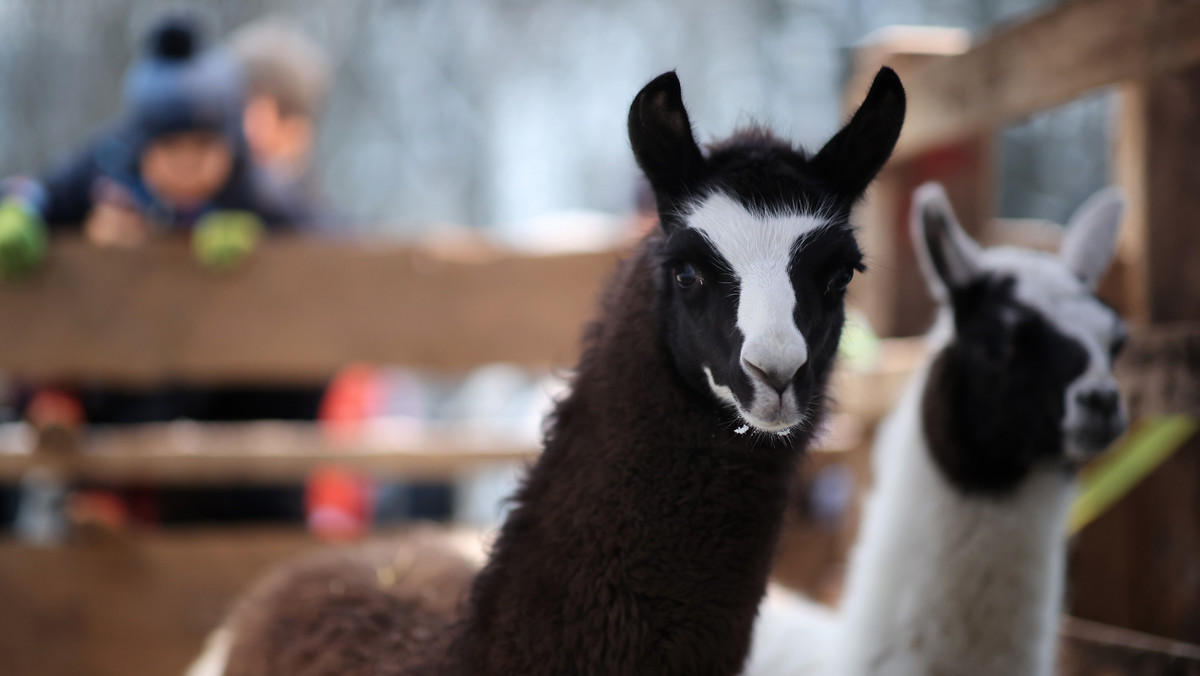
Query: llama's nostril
{"points": [[776, 378], [1103, 402]]}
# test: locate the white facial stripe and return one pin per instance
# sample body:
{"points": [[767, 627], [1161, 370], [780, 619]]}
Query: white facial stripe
{"points": [[723, 393], [759, 249], [784, 407]]}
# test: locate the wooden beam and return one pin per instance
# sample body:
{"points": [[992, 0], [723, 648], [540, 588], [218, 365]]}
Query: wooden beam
{"points": [[137, 606], [296, 312], [1049, 60], [1157, 163], [1089, 648], [272, 452], [894, 296], [1159, 370], [266, 452]]}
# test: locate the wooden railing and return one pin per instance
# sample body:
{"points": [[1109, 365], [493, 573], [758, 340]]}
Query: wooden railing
{"points": [[295, 312]]}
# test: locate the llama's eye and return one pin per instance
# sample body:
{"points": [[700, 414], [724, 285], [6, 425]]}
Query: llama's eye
{"points": [[685, 276], [840, 279], [1118, 344]]}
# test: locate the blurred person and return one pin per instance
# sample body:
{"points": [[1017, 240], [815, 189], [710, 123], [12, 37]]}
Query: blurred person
{"points": [[175, 159], [287, 82]]}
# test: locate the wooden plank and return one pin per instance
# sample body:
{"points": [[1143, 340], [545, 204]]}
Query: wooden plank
{"points": [[1160, 370], [1090, 648], [1128, 160], [1163, 178], [267, 452], [893, 296], [295, 313], [140, 606], [1047, 61], [272, 452], [1138, 564]]}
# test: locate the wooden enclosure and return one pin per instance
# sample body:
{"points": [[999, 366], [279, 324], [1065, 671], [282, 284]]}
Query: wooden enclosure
{"points": [[298, 311]]}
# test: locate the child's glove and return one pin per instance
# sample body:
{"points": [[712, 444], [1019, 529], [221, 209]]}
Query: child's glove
{"points": [[223, 239], [22, 239]]}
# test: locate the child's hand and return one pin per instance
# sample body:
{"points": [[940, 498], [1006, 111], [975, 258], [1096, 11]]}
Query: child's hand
{"points": [[112, 225], [223, 239], [22, 239]]}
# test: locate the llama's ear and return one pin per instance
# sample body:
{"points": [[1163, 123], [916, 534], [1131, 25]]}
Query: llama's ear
{"points": [[1091, 238], [947, 255], [856, 153], [661, 135]]}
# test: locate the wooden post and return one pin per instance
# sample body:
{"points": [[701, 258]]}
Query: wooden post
{"points": [[893, 296], [1157, 163]]}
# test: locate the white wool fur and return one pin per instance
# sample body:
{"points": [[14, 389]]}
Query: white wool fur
{"points": [[212, 661], [792, 635], [943, 579]]}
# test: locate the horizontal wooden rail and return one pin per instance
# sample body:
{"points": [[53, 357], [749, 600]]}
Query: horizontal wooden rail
{"points": [[1046, 61], [265, 452], [269, 452], [1092, 648], [295, 312], [1157, 372]]}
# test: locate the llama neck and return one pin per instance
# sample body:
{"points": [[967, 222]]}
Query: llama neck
{"points": [[943, 580], [642, 538]]}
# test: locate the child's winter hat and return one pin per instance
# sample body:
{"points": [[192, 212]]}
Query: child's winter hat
{"points": [[181, 84]]}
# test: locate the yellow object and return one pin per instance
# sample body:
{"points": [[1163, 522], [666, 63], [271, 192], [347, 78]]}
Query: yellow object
{"points": [[1134, 456]]}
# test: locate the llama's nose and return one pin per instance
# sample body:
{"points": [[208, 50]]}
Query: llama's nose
{"points": [[1103, 401], [775, 357], [777, 378]]}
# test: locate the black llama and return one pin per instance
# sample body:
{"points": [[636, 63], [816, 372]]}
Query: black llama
{"points": [[641, 540]]}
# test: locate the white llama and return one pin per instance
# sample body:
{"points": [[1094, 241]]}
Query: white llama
{"points": [[960, 561]]}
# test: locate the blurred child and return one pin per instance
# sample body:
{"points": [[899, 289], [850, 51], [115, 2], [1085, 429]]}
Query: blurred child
{"points": [[287, 82], [176, 159]]}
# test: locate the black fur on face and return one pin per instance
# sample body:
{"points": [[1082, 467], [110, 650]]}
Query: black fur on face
{"points": [[777, 207], [994, 403]]}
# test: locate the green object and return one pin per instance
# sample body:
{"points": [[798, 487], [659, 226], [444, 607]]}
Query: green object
{"points": [[22, 239], [859, 348], [223, 239], [1133, 457]]}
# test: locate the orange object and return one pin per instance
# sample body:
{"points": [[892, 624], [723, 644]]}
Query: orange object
{"points": [[50, 407], [354, 395], [338, 503]]}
